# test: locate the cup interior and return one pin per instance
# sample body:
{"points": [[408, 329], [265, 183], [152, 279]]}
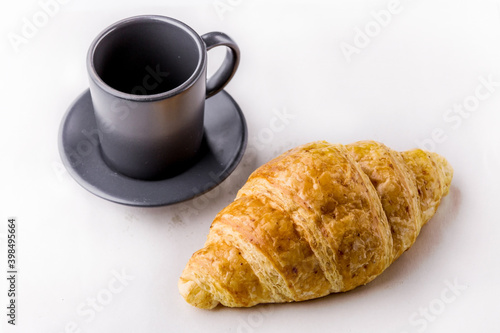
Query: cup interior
{"points": [[146, 57]]}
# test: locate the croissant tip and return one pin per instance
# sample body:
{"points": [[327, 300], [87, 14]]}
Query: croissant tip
{"points": [[446, 169], [195, 295]]}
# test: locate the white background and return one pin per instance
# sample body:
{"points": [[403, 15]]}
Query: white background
{"points": [[400, 88]]}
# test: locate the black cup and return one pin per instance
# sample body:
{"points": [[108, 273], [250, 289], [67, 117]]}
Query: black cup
{"points": [[148, 85]]}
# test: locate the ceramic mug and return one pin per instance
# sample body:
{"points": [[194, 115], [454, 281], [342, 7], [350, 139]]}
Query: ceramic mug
{"points": [[148, 85]]}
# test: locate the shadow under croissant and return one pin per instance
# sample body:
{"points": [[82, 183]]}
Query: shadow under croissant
{"points": [[414, 259]]}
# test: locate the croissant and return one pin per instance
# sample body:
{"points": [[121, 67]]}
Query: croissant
{"points": [[319, 219]]}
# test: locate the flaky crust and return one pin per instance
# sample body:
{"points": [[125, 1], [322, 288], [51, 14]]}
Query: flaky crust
{"points": [[318, 219]]}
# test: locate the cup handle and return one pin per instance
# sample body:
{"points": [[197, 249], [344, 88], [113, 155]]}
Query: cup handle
{"points": [[226, 71]]}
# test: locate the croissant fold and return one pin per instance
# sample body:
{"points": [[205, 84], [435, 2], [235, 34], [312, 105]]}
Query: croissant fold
{"points": [[320, 218]]}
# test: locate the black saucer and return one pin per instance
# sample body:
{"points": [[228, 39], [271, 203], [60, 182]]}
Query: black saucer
{"points": [[222, 149]]}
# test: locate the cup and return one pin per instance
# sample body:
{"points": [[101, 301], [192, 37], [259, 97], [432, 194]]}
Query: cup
{"points": [[148, 84]]}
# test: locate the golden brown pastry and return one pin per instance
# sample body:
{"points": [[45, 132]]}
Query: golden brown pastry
{"points": [[321, 218]]}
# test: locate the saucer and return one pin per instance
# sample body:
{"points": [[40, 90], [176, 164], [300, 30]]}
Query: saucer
{"points": [[223, 145]]}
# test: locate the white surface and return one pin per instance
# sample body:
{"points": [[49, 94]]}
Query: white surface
{"points": [[398, 90]]}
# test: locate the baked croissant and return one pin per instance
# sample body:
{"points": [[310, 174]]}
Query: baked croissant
{"points": [[319, 219]]}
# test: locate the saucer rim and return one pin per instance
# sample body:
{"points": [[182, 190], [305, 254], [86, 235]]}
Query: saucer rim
{"points": [[95, 190]]}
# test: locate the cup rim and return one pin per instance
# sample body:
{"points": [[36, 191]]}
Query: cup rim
{"points": [[153, 97]]}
